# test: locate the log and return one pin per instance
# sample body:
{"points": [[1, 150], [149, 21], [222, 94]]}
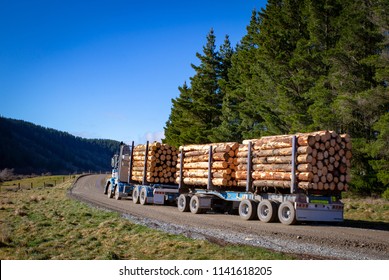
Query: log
{"points": [[204, 165], [200, 158], [273, 167], [268, 183], [303, 176], [194, 173], [217, 147], [272, 152], [203, 181], [305, 185], [280, 176], [196, 153], [273, 159], [268, 143]]}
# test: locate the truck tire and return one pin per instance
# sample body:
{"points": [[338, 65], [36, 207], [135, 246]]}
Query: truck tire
{"points": [[287, 213], [135, 195], [194, 205], [247, 209], [183, 203], [143, 196], [106, 187], [117, 196], [267, 211], [109, 191]]}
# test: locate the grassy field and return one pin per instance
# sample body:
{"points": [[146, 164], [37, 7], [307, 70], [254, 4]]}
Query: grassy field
{"points": [[43, 223]]}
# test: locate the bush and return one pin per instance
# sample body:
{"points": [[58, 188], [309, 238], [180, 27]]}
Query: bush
{"points": [[6, 174], [385, 194]]}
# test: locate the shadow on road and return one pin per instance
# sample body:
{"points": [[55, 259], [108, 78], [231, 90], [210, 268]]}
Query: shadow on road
{"points": [[366, 224], [354, 224]]}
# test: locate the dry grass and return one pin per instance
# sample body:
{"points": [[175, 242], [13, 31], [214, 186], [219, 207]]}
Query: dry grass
{"points": [[43, 223], [366, 209]]}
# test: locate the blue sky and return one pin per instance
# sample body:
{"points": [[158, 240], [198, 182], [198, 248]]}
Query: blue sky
{"points": [[106, 69]]}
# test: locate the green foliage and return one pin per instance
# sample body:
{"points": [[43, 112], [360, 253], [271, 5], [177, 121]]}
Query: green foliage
{"points": [[385, 194], [29, 148], [303, 66], [196, 112], [379, 150]]}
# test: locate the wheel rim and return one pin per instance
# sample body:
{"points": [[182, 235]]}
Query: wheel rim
{"points": [[181, 202], [245, 209], [142, 196], [264, 211], [194, 204], [285, 213]]}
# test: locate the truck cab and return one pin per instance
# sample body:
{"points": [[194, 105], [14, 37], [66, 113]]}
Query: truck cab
{"points": [[118, 185]]}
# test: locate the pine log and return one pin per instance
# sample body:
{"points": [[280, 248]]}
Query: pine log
{"points": [[196, 153], [303, 176], [305, 185], [203, 181], [280, 159], [195, 173], [273, 167], [203, 158], [269, 183], [217, 147], [268, 143], [204, 165]]}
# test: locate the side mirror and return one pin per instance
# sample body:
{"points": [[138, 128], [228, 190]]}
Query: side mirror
{"points": [[114, 161]]}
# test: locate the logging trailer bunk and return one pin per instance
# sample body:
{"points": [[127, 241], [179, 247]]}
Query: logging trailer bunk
{"points": [[268, 206]]}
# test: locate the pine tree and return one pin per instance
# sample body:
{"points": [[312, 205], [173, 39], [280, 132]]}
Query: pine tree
{"points": [[196, 112], [178, 127]]}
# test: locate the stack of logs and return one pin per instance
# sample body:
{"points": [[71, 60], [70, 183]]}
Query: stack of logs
{"points": [[196, 162], [161, 163], [322, 161]]}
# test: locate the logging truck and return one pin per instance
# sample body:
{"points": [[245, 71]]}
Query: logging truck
{"points": [[286, 178], [118, 185]]}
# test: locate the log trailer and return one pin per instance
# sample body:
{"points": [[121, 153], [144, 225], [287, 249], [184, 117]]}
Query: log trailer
{"points": [[287, 205]]}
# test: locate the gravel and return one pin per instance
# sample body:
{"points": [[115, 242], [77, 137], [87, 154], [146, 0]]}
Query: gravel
{"points": [[307, 241]]}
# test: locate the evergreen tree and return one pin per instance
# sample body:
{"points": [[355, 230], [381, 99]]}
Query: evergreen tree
{"points": [[196, 112], [302, 66], [177, 129]]}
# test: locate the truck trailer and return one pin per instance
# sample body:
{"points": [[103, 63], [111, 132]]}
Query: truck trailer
{"points": [[286, 201]]}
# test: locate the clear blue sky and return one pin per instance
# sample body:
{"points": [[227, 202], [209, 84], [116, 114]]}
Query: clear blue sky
{"points": [[106, 68]]}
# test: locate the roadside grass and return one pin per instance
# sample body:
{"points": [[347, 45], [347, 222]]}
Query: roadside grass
{"points": [[43, 223], [366, 209], [26, 183]]}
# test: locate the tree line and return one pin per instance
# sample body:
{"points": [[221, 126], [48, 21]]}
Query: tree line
{"points": [[301, 66], [27, 148]]}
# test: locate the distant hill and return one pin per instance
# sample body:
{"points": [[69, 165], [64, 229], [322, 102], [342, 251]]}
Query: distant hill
{"points": [[30, 148]]}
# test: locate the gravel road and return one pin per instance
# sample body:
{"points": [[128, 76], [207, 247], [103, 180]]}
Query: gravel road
{"points": [[350, 240]]}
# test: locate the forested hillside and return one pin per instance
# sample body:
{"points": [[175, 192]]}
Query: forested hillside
{"points": [[29, 148], [302, 66]]}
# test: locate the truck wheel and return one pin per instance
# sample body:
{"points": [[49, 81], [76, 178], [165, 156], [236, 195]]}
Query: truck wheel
{"points": [[194, 205], [247, 209], [143, 196], [287, 213], [267, 211], [183, 203], [106, 187], [135, 195], [117, 196], [109, 191]]}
